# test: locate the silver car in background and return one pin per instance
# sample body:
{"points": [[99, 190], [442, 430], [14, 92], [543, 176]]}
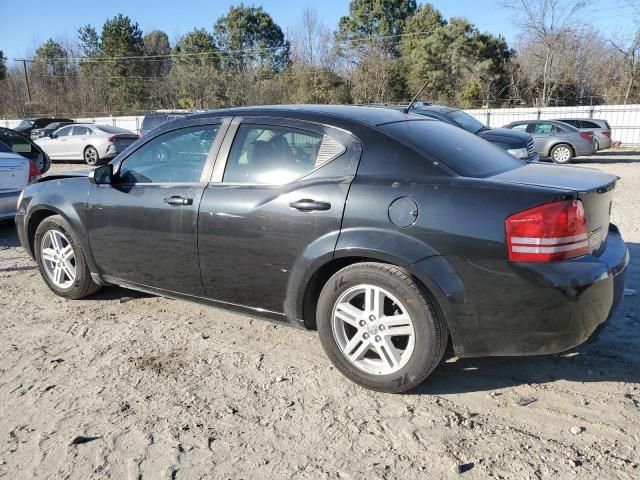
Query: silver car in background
{"points": [[95, 144], [600, 128], [556, 140]]}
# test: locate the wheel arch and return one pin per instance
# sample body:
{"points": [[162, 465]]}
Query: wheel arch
{"points": [[573, 150]]}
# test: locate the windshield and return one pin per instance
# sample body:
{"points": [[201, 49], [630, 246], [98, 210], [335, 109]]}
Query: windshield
{"points": [[467, 154], [152, 121], [26, 123], [466, 121]]}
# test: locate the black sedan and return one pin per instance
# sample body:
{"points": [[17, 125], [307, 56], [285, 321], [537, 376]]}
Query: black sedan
{"points": [[361, 222]]}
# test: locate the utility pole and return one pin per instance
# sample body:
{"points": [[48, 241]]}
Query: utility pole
{"points": [[26, 75]]}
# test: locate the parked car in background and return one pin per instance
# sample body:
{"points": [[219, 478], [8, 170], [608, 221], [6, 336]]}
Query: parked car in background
{"points": [[24, 146], [28, 124], [87, 141], [48, 130], [518, 144], [16, 172], [556, 140], [389, 232], [157, 118], [600, 128]]}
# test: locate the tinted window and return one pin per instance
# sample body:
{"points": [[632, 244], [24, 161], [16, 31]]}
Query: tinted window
{"points": [[175, 157], [26, 123], [273, 155], [573, 123], [5, 148], [150, 122], [16, 142], [80, 131], [462, 151], [588, 124], [520, 128], [544, 129], [63, 132]]}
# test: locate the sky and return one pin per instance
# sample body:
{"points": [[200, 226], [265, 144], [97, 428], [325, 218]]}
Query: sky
{"points": [[23, 29]]}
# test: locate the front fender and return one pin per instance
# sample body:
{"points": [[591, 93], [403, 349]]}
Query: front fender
{"points": [[65, 197]]}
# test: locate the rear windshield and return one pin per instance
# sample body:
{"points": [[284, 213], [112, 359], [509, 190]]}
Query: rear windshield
{"points": [[464, 152], [109, 129]]}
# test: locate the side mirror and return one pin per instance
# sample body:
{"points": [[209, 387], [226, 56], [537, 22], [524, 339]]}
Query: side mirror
{"points": [[102, 175]]}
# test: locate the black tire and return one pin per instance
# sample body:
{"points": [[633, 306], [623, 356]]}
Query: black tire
{"points": [[431, 333], [83, 284], [596, 146], [558, 154], [91, 156]]}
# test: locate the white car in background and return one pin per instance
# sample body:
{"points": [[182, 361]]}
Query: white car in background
{"points": [[16, 172], [95, 144]]}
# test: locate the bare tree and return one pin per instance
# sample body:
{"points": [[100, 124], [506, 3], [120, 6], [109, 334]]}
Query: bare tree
{"points": [[312, 41], [546, 30]]}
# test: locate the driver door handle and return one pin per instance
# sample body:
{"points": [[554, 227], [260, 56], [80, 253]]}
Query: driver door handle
{"points": [[178, 200], [308, 205]]}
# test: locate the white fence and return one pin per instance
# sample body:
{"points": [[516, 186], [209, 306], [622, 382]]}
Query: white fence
{"points": [[624, 119]]}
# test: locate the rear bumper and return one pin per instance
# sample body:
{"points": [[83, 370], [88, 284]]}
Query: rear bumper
{"points": [[585, 149], [8, 205], [604, 142], [537, 308]]}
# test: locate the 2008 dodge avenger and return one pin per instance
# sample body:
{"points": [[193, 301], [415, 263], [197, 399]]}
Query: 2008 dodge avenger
{"points": [[390, 233]]}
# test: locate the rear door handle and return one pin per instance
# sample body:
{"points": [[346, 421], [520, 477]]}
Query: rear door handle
{"points": [[308, 205], [178, 200]]}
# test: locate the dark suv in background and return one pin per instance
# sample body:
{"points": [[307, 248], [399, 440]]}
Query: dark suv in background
{"points": [[28, 124], [157, 118], [518, 144]]}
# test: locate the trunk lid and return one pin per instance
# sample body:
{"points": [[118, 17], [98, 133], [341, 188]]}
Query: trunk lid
{"points": [[14, 172], [592, 187], [122, 141]]}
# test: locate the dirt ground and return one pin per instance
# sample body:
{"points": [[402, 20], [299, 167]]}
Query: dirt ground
{"points": [[126, 385]]}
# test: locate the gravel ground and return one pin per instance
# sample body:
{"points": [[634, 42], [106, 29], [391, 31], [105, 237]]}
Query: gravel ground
{"points": [[127, 385]]}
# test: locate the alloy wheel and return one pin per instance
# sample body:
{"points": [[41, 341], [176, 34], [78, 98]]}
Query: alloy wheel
{"points": [[91, 156], [562, 154], [58, 258], [373, 330]]}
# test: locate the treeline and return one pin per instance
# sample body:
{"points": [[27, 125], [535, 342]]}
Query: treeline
{"points": [[382, 52]]}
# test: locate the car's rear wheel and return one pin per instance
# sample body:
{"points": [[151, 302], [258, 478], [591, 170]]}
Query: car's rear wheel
{"points": [[61, 260], [561, 153], [379, 328], [91, 156]]}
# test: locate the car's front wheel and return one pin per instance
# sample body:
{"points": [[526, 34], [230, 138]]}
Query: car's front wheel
{"points": [[379, 328], [561, 153], [61, 260], [91, 156]]}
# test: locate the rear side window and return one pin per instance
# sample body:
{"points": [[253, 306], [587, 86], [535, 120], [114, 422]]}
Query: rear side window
{"points": [[587, 124], [462, 151], [573, 123], [274, 155], [80, 131], [63, 132], [520, 128], [544, 129]]}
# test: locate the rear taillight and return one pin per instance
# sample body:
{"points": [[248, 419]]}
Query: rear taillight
{"points": [[111, 139], [34, 171], [551, 232], [606, 134], [586, 135]]}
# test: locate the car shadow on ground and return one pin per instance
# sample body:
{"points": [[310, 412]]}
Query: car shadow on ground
{"points": [[610, 156], [8, 235]]}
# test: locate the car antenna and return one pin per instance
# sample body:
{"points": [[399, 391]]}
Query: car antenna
{"points": [[413, 100]]}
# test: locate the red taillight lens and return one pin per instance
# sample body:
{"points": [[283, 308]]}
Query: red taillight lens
{"points": [[551, 232], [586, 135], [111, 139], [607, 134], [34, 171]]}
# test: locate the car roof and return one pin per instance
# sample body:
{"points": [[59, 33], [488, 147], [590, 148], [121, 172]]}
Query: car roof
{"points": [[557, 123], [363, 115]]}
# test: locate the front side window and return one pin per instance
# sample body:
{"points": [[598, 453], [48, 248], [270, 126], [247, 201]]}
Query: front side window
{"points": [[80, 131], [63, 132], [178, 156], [265, 154]]}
